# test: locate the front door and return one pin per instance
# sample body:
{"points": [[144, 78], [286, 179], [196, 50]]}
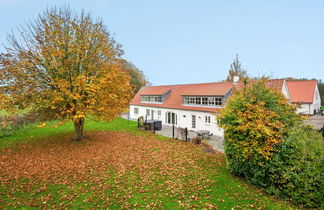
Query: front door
{"points": [[193, 121]]}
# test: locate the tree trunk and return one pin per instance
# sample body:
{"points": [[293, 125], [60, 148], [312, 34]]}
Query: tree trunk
{"points": [[78, 129]]}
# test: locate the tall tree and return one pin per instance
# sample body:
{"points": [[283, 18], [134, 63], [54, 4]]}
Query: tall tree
{"points": [[321, 91], [65, 65], [236, 70], [137, 77]]}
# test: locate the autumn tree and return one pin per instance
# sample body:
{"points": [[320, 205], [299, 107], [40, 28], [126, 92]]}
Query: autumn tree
{"points": [[236, 70], [137, 77], [64, 65]]}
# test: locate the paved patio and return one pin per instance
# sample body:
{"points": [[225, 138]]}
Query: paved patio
{"points": [[217, 142], [317, 121]]}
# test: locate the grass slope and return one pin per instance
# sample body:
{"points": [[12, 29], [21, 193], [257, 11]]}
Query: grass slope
{"points": [[118, 166]]}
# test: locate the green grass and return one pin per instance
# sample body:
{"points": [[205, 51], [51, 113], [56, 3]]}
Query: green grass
{"points": [[206, 179], [3, 113], [32, 133]]}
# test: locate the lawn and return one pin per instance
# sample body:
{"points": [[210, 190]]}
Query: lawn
{"points": [[118, 166]]}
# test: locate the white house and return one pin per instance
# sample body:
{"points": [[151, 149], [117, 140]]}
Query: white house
{"points": [[189, 106], [305, 93], [194, 106]]}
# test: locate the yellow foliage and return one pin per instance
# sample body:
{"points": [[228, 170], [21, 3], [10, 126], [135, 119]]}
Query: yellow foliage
{"points": [[41, 125], [70, 69]]}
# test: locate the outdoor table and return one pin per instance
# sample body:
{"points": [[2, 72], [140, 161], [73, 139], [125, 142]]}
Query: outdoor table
{"points": [[204, 134]]}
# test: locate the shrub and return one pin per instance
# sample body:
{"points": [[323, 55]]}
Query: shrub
{"points": [[267, 143], [296, 169]]}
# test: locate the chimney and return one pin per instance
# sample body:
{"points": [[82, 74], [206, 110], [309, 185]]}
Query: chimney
{"points": [[236, 79]]}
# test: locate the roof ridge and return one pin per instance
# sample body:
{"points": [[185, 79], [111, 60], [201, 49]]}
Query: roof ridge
{"points": [[203, 83]]}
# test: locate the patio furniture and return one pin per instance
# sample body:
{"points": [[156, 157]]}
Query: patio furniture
{"points": [[204, 134]]}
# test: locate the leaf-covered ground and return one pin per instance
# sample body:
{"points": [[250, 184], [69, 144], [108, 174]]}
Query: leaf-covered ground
{"points": [[119, 169]]}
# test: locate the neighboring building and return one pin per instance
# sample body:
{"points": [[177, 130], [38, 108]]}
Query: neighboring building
{"points": [[305, 93], [194, 106]]}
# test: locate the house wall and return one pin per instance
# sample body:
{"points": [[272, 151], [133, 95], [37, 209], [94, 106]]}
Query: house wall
{"points": [[184, 118], [317, 99], [309, 109], [285, 91]]}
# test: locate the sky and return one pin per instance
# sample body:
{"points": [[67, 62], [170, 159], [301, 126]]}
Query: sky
{"points": [[191, 41]]}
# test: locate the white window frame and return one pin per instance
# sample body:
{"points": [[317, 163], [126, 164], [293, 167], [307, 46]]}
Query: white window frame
{"points": [[207, 119]]}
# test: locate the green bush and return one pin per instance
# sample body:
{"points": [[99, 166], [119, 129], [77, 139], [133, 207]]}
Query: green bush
{"points": [[267, 143], [296, 169]]}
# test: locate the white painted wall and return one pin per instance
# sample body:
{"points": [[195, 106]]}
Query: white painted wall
{"points": [[285, 91], [317, 99], [305, 109], [184, 118]]}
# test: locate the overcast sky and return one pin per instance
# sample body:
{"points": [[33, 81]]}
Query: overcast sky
{"points": [[176, 42]]}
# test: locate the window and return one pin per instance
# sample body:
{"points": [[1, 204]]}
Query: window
{"points": [[205, 101], [153, 99], [159, 112], [211, 101], [186, 100], [193, 121], [218, 101], [207, 119], [192, 100], [135, 110], [148, 112], [157, 99], [171, 118]]}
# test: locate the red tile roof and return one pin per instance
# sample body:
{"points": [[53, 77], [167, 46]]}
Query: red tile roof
{"points": [[155, 90], [275, 84], [208, 89], [174, 99], [302, 91]]}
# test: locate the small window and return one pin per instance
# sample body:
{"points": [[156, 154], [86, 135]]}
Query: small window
{"points": [[157, 99], [135, 110], [193, 121], [159, 112], [198, 100], [148, 112], [207, 119], [211, 101], [218, 101], [153, 99], [205, 101], [192, 100]]}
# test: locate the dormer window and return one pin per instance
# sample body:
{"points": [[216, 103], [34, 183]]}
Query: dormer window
{"points": [[203, 101], [151, 99]]}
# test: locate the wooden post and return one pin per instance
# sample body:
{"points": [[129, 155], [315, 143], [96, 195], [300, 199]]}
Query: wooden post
{"points": [[173, 131], [186, 132], [154, 126], [138, 123]]}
